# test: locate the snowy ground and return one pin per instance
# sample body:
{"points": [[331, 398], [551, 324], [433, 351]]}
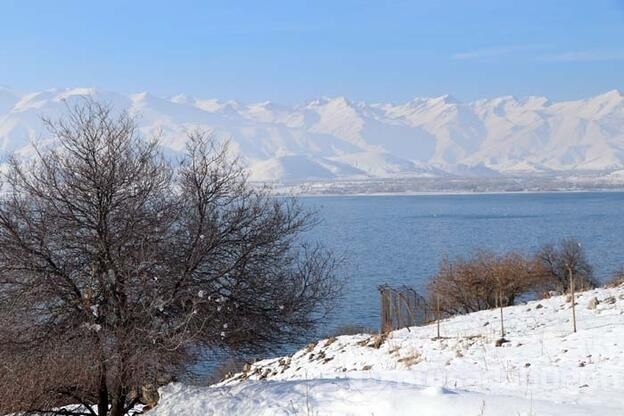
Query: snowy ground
{"points": [[545, 369]]}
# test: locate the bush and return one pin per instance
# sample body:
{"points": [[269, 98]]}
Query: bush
{"points": [[616, 279], [483, 281], [350, 329], [225, 370]]}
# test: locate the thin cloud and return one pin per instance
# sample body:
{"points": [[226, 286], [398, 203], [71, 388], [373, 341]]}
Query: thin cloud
{"points": [[585, 56], [494, 52]]}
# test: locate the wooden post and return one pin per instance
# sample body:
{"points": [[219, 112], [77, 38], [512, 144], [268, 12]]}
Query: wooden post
{"points": [[500, 304], [398, 319], [573, 300], [438, 316], [384, 311]]}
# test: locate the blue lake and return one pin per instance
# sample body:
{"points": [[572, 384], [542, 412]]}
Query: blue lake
{"points": [[401, 239]]}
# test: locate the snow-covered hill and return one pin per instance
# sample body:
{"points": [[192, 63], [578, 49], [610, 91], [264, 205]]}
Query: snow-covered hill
{"points": [[334, 138], [544, 369]]}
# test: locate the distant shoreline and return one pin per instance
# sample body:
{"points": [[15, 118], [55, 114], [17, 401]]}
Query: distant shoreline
{"points": [[446, 186], [450, 193]]}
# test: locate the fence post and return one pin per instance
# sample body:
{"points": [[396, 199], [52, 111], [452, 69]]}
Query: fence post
{"points": [[573, 300], [438, 316], [385, 308]]}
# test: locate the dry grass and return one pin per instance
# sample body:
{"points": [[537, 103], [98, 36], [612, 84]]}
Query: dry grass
{"points": [[226, 370], [330, 341], [375, 341], [351, 329], [616, 280], [411, 359]]}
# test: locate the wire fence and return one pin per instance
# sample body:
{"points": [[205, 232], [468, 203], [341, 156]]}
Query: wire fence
{"points": [[402, 307]]}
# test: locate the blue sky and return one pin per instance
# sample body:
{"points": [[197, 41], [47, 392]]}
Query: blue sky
{"points": [[290, 51]]}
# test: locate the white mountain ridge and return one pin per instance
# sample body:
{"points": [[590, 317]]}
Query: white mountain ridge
{"points": [[335, 138]]}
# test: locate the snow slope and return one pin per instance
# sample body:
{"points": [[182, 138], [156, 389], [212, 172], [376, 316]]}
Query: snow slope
{"points": [[545, 369], [334, 138]]}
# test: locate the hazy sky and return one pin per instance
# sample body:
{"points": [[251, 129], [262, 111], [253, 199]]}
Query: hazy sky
{"points": [[289, 51]]}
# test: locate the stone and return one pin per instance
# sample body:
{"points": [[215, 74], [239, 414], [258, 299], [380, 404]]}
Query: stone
{"points": [[149, 395], [500, 342]]}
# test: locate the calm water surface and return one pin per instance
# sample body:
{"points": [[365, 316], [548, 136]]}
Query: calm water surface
{"points": [[401, 239]]}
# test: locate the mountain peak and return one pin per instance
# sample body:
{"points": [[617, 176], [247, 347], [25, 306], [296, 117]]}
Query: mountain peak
{"points": [[75, 92], [141, 95], [264, 104], [443, 99], [614, 94], [145, 98], [536, 100], [336, 101], [339, 101], [182, 99]]}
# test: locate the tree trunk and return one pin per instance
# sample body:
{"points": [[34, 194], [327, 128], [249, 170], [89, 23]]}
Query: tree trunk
{"points": [[118, 405], [102, 394]]}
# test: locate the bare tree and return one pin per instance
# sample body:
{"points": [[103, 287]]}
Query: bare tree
{"points": [[512, 275], [118, 267], [565, 265]]}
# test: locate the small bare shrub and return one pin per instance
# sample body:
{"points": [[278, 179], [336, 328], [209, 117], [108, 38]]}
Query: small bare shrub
{"points": [[329, 341], [350, 329], [225, 370], [616, 279], [410, 359], [376, 341]]}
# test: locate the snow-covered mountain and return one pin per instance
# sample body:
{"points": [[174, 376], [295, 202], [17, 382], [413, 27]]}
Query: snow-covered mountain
{"points": [[334, 138]]}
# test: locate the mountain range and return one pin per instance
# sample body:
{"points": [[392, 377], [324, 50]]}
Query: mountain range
{"points": [[336, 138]]}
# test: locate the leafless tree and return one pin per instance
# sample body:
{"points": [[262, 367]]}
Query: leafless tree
{"points": [[119, 267], [567, 267], [566, 263]]}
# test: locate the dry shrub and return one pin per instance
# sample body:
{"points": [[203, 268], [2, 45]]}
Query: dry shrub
{"points": [[616, 279], [350, 329], [329, 341], [411, 359], [483, 281], [31, 379], [375, 340], [226, 370]]}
